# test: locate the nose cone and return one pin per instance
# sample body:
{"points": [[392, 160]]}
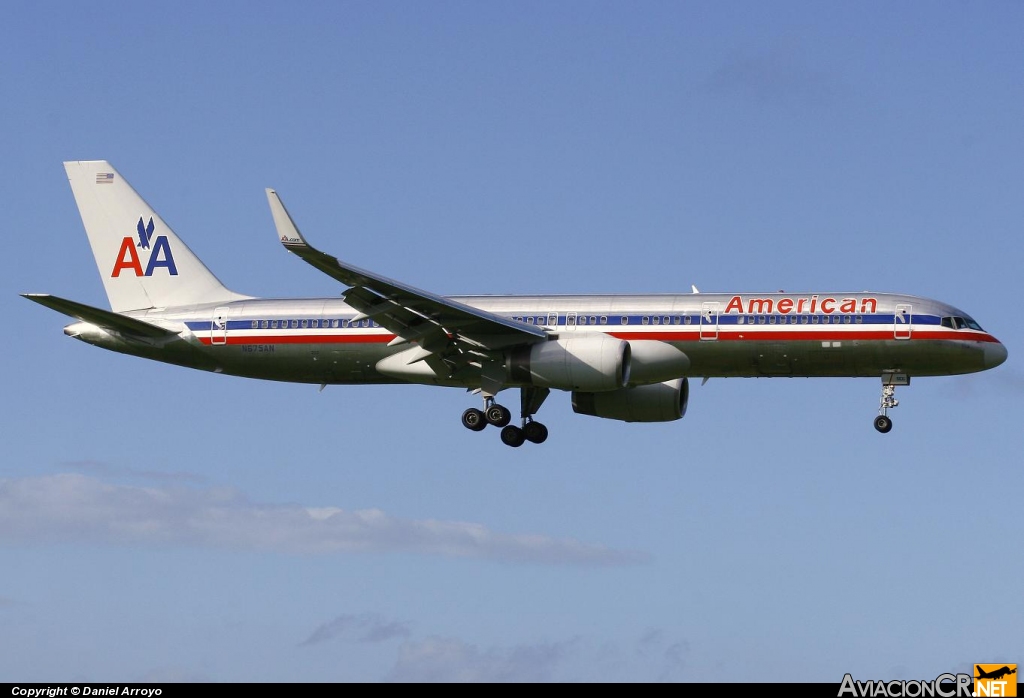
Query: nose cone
{"points": [[995, 354]]}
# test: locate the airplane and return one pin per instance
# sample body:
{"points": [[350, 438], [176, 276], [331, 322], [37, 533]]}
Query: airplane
{"points": [[995, 674], [622, 357]]}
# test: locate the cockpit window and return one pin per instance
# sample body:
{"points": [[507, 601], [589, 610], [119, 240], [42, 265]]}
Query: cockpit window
{"points": [[960, 323]]}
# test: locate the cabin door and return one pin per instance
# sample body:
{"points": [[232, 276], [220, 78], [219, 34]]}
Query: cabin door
{"points": [[902, 322], [709, 321], [219, 326]]}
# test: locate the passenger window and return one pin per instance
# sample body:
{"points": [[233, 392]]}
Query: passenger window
{"points": [[688, 320], [625, 319], [656, 320], [366, 323], [529, 321], [334, 323], [675, 320], [859, 319], [583, 319], [604, 319], [305, 324], [847, 319], [814, 319], [741, 319], [760, 320], [803, 320], [570, 320], [264, 324], [344, 323], [273, 324], [593, 319], [255, 324], [771, 320], [295, 323], [645, 320]]}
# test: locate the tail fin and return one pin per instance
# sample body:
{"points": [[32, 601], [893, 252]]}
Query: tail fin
{"points": [[142, 262]]}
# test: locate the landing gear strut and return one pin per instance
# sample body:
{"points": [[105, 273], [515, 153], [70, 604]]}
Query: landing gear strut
{"points": [[889, 382], [500, 416]]}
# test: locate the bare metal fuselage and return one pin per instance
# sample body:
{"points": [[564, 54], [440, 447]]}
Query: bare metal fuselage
{"points": [[316, 340]]}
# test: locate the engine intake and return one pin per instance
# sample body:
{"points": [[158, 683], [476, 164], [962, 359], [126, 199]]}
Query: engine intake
{"points": [[593, 363], [660, 402]]}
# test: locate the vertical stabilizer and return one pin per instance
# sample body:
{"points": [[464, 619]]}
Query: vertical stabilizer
{"points": [[142, 262]]}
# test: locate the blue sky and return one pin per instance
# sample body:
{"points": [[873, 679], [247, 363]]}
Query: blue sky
{"points": [[157, 523]]}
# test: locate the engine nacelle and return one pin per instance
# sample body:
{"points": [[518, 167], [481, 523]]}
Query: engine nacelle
{"points": [[594, 363], [653, 362], [660, 402]]}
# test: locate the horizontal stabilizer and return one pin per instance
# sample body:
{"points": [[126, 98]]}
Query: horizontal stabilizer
{"points": [[100, 318]]}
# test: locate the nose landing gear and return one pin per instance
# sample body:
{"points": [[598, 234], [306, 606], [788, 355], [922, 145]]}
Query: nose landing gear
{"points": [[889, 382]]}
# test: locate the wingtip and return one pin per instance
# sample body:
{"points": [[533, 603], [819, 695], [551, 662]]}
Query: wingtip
{"points": [[287, 232]]}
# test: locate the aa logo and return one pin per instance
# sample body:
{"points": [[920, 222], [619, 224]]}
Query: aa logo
{"points": [[995, 680], [159, 253]]}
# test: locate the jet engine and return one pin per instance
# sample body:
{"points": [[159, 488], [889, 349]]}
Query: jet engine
{"points": [[660, 402], [592, 363]]}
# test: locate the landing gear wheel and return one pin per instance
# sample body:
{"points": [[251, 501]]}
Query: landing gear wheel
{"points": [[535, 432], [498, 416], [883, 424], [474, 420], [512, 436]]}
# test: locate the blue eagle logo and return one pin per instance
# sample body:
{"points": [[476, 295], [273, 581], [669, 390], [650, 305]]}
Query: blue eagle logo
{"points": [[145, 234]]}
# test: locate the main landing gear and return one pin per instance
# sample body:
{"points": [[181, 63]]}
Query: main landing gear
{"points": [[889, 382], [500, 416]]}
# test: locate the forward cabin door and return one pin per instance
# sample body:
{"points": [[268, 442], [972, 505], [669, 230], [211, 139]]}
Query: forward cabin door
{"points": [[903, 320]]}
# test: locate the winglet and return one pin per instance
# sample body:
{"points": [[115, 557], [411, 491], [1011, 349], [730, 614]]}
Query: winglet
{"points": [[287, 232]]}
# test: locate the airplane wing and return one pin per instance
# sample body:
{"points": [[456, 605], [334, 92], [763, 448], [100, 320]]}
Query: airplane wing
{"points": [[432, 321], [99, 317]]}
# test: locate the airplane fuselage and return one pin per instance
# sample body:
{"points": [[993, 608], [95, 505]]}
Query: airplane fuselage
{"points": [[723, 335]]}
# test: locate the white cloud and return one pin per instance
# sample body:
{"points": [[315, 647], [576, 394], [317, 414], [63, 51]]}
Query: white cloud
{"points": [[362, 627], [75, 507], [781, 75], [438, 659], [97, 468]]}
